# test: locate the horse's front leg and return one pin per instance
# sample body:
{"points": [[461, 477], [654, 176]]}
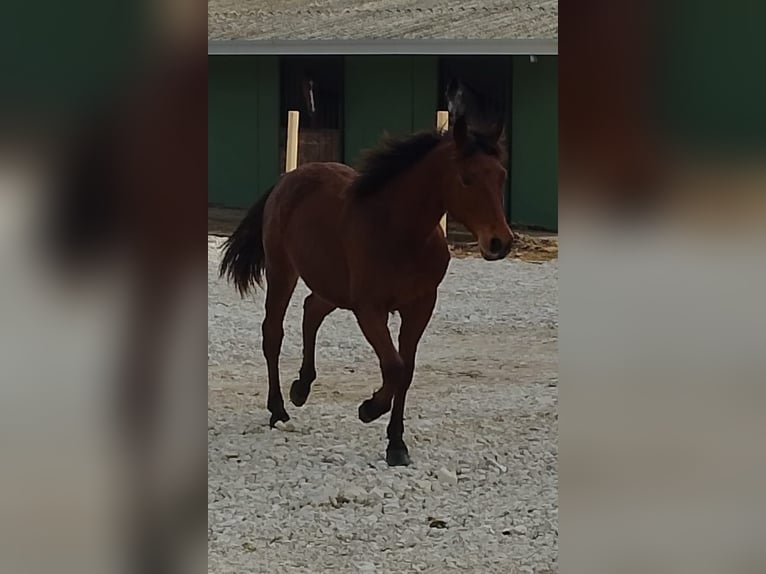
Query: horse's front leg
{"points": [[415, 318], [374, 325]]}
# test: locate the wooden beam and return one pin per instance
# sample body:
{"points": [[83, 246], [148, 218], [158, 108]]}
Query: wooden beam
{"points": [[442, 125], [387, 47]]}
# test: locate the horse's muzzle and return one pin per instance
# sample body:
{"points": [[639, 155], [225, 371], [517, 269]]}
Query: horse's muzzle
{"points": [[497, 249]]}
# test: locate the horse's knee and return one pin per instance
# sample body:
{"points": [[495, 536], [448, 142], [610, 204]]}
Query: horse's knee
{"points": [[395, 371]]}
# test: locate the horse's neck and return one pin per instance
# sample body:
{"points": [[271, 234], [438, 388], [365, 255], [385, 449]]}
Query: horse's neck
{"points": [[419, 202]]}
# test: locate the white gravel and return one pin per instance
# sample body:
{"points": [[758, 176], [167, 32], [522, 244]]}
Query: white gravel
{"points": [[315, 495]]}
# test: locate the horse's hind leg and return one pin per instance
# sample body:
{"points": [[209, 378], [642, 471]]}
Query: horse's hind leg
{"points": [[280, 284], [315, 309]]}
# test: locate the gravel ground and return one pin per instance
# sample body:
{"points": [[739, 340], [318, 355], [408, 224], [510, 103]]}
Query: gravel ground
{"points": [[316, 495]]}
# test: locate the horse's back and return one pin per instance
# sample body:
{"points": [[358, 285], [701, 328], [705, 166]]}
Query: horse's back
{"points": [[319, 184], [304, 221]]}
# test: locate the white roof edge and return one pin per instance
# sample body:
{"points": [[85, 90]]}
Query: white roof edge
{"points": [[539, 47]]}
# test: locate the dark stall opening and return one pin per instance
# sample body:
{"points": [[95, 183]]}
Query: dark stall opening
{"points": [[313, 85]]}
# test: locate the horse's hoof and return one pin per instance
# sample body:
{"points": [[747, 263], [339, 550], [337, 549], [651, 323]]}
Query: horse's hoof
{"points": [[397, 456], [370, 410], [299, 392], [276, 417]]}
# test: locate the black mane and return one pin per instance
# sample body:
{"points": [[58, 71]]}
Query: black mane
{"points": [[394, 156]]}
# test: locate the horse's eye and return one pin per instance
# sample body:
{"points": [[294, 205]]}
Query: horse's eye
{"points": [[467, 180]]}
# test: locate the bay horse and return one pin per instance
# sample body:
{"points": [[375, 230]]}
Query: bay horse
{"points": [[370, 242]]}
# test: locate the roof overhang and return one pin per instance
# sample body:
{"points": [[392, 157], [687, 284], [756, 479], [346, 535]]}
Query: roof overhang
{"points": [[541, 47]]}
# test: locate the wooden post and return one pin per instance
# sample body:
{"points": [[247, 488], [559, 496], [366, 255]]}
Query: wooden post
{"points": [[442, 120], [291, 155], [442, 125]]}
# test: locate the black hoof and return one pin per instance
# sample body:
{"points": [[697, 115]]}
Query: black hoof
{"points": [[397, 456], [370, 410], [276, 417], [299, 392]]}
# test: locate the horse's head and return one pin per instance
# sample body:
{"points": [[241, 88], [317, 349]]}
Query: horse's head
{"points": [[455, 94], [482, 112], [476, 198]]}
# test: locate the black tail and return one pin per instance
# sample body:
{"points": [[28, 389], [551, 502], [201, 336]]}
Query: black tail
{"points": [[244, 258]]}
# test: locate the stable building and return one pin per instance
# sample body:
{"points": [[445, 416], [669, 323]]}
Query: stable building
{"points": [[351, 91]]}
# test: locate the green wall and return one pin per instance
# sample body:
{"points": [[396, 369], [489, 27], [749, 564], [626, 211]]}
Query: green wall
{"points": [[394, 94], [243, 124], [534, 142]]}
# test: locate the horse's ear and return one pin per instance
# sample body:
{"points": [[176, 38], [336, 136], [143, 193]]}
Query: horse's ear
{"points": [[460, 132], [454, 95]]}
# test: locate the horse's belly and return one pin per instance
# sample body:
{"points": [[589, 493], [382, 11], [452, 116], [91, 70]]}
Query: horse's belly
{"points": [[317, 254], [330, 283]]}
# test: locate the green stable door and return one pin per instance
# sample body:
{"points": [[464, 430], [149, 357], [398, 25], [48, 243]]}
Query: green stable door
{"points": [[387, 94], [534, 142], [243, 103]]}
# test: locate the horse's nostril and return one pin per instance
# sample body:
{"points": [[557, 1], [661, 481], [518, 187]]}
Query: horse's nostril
{"points": [[495, 246]]}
